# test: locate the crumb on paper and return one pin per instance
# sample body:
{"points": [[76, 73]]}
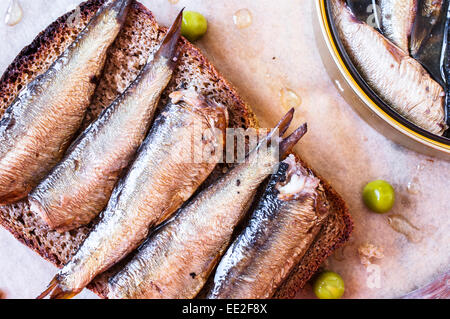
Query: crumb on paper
{"points": [[2, 294], [368, 252]]}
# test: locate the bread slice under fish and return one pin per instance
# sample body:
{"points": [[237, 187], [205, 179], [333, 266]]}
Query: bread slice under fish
{"points": [[139, 38]]}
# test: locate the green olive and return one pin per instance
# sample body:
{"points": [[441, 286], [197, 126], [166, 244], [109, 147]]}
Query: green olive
{"points": [[329, 285], [379, 196], [194, 25]]}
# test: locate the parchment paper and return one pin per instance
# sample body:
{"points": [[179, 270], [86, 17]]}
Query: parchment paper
{"points": [[279, 51]]}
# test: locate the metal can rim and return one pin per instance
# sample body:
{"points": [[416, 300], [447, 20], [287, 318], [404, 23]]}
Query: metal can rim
{"points": [[433, 142]]}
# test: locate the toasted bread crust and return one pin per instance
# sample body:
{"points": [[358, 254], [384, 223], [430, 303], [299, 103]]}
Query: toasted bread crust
{"points": [[138, 39]]}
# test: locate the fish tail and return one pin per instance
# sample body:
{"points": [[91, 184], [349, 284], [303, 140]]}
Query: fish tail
{"points": [[284, 123], [281, 127], [168, 48], [289, 142], [55, 291]]}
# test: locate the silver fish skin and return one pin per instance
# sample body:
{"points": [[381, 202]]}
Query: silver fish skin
{"points": [[396, 77], [167, 171], [176, 261], [38, 126], [397, 19], [288, 217], [79, 187]]}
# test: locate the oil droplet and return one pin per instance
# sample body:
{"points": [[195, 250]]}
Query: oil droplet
{"points": [[413, 187], [403, 226], [289, 99], [174, 1], [14, 13], [242, 18], [420, 167]]}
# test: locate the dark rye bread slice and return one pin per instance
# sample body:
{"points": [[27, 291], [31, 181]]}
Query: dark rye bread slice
{"points": [[334, 233], [139, 38]]}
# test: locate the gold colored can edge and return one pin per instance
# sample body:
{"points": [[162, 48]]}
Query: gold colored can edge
{"points": [[370, 111]]}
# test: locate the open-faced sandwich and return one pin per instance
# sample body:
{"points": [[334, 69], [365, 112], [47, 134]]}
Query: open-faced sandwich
{"points": [[101, 175]]}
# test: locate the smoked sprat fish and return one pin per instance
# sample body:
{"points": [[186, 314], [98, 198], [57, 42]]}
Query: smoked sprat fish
{"points": [[428, 15], [38, 126], [428, 37], [285, 222], [168, 169], [176, 261], [396, 77], [79, 187], [446, 67], [397, 18]]}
